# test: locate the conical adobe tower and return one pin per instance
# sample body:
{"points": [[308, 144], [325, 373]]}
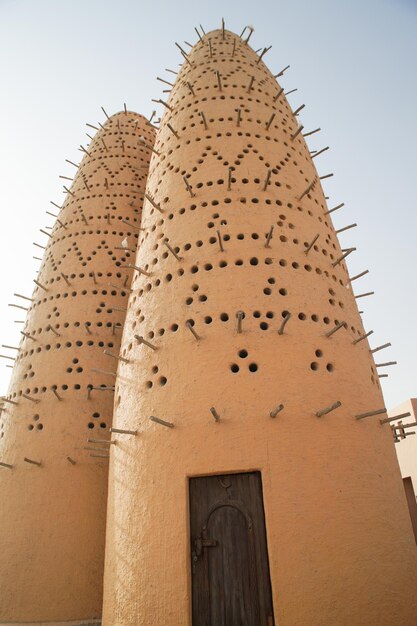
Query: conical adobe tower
{"points": [[238, 239], [60, 402]]}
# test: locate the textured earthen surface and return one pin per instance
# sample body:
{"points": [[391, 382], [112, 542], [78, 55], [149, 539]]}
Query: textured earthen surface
{"points": [[52, 517], [339, 534]]}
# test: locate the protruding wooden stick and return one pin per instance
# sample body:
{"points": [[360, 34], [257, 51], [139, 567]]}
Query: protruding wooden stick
{"points": [[297, 132], [38, 245], [99, 371], [281, 72], [307, 190], [83, 217], [370, 413], [18, 295], [275, 411], [100, 456], [251, 29], [358, 276], [115, 356], [328, 409], [341, 258], [70, 460], [162, 80], [325, 176], [173, 131], [18, 306], [146, 145], [181, 49], [138, 269], [75, 165], [40, 284], [191, 329], [215, 414], [229, 180], [363, 295], [239, 317], [199, 36], [3, 464], [341, 230], [142, 340], [189, 189], [49, 327], [38, 463], [287, 93], [154, 204], [203, 117], [269, 122], [35, 400], [5, 356], [311, 244], [162, 422], [300, 108], [281, 91], [285, 320], [269, 237], [105, 113], [123, 431], [336, 328], [107, 442], [56, 394], [397, 417], [320, 152], [132, 225], [362, 337], [234, 47], [3, 399], [385, 345], [219, 79], [219, 237], [171, 249], [119, 308], [87, 327], [252, 80], [88, 154], [267, 179], [28, 336], [388, 363]]}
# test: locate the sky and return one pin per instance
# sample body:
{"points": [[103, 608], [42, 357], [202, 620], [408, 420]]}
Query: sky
{"points": [[353, 62]]}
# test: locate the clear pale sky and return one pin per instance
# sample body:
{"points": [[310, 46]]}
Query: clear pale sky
{"points": [[354, 63]]}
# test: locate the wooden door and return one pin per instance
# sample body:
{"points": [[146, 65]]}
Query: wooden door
{"points": [[230, 569]]}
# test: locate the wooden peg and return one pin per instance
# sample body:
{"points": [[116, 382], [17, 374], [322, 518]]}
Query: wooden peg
{"points": [[70, 460], [311, 244], [146, 145], [83, 217], [100, 456], [98, 371], [123, 431], [357, 276], [115, 356], [87, 327], [386, 364], [87, 153], [162, 422], [385, 345], [397, 417], [105, 113], [269, 122], [320, 152], [36, 258], [119, 308], [339, 206], [190, 87], [138, 269], [3, 345], [181, 49], [287, 93], [325, 176], [49, 327], [210, 48], [3, 464], [341, 230], [336, 328], [162, 80], [171, 249], [251, 30], [275, 411], [56, 394], [269, 237], [229, 180], [223, 33], [191, 329], [5, 356], [283, 323], [239, 317], [203, 117], [35, 400], [282, 71], [18, 306], [39, 284], [219, 237], [65, 177], [93, 276], [189, 189], [241, 34], [3, 399], [328, 409], [132, 225], [234, 47], [370, 414], [252, 80], [39, 246], [219, 80], [215, 414], [107, 442], [308, 189], [91, 126], [173, 131], [55, 204], [264, 51], [38, 463], [341, 258], [363, 295], [300, 108], [28, 336], [267, 179], [280, 92], [142, 340], [75, 165], [198, 33], [362, 337]]}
